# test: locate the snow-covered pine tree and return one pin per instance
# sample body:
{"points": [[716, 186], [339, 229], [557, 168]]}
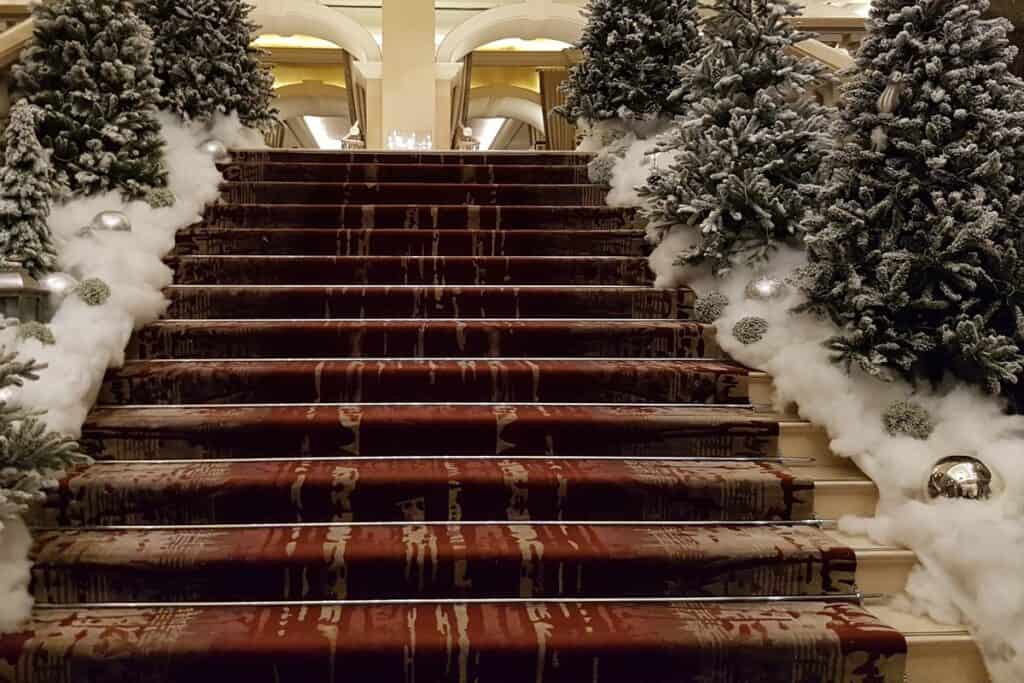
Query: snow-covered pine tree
{"points": [[90, 71], [917, 249], [30, 454], [203, 55], [748, 146], [27, 186], [631, 53]]}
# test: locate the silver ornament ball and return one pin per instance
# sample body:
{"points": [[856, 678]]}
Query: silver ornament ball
{"points": [[7, 395], [57, 285], [110, 221], [766, 288], [962, 477], [215, 148]]}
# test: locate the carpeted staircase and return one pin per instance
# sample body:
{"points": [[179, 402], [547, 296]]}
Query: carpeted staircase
{"points": [[421, 418]]}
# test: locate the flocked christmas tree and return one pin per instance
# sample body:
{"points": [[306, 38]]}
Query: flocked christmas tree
{"points": [[917, 250], [90, 71], [631, 53], [30, 454], [27, 186], [749, 143], [204, 57]]}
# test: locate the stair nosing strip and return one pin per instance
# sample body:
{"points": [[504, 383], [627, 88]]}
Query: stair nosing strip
{"points": [[757, 524], [858, 598], [468, 321], [365, 459], [438, 359], [221, 406], [568, 286]]}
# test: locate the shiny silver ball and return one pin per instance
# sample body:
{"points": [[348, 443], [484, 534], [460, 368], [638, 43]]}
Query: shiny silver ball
{"points": [[215, 148], [766, 288], [58, 286], [962, 477], [107, 221]]}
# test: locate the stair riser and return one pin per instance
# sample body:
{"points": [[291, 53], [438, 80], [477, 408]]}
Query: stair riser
{"points": [[424, 217], [416, 561], [405, 173], [427, 302], [411, 242], [435, 339], [454, 381], [381, 431], [426, 490], [410, 271], [491, 643], [424, 158], [412, 193]]}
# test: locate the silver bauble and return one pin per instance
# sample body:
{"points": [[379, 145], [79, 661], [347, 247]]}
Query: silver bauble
{"points": [[58, 286], [766, 288], [215, 148], [107, 221], [962, 477], [7, 395]]}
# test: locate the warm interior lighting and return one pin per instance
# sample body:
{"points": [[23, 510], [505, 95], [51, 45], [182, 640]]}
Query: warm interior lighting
{"points": [[488, 131], [318, 129], [270, 41], [520, 45]]}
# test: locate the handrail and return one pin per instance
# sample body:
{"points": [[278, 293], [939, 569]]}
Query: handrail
{"points": [[834, 58], [14, 40]]}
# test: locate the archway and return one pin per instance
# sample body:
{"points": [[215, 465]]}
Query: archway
{"points": [[531, 19], [506, 102], [310, 18]]}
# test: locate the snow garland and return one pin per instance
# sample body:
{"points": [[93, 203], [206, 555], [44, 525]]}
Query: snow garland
{"points": [[91, 338], [969, 552]]}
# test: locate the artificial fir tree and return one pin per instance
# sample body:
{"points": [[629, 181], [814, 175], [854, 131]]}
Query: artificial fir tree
{"points": [[631, 53], [27, 186], [30, 454], [90, 71], [917, 249], [203, 55], [750, 141]]}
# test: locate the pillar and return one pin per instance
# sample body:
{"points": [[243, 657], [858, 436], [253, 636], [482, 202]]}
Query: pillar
{"points": [[370, 75], [409, 90], [447, 76]]}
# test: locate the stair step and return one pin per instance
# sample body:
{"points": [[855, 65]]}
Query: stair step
{"points": [[421, 217], [426, 301], [463, 380], [403, 194], [427, 489], [259, 156], [275, 171], [424, 339], [402, 242], [449, 643], [411, 270], [482, 560], [376, 430]]}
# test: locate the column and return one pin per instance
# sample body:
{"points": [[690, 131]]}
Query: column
{"points": [[369, 76], [409, 90], [447, 75]]}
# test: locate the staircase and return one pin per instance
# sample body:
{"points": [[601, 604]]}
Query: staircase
{"points": [[422, 418]]}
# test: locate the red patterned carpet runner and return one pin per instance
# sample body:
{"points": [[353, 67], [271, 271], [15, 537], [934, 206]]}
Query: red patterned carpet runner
{"points": [[421, 418]]}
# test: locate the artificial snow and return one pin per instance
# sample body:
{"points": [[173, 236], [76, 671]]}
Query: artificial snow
{"points": [[91, 339], [970, 552]]}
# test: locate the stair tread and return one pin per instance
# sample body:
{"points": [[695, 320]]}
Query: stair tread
{"points": [[426, 337], [433, 489], [459, 380], [249, 430], [427, 216], [676, 643], [416, 560], [424, 301], [409, 270]]}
